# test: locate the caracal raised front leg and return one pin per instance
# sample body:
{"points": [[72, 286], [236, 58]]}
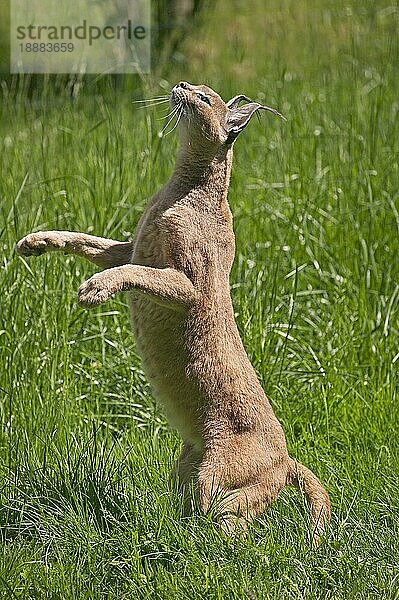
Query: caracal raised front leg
{"points": [[167, 287], [102, 252]]}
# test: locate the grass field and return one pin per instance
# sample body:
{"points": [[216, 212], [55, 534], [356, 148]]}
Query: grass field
{"points": [[85, 453]]}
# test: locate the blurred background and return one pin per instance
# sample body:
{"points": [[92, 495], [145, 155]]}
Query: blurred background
{"points": [[315, 286]]}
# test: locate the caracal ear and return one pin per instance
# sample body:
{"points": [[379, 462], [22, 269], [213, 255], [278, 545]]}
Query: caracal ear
{"points": [[234, 102], [239, 117]]}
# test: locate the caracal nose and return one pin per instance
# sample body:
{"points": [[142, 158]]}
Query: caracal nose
{"points": [[181, 85]]}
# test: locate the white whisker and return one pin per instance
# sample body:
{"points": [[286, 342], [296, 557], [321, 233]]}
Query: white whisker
{"points": [[150, 102], [153, 104], [155, 99], [176, 109], [172, 115], [177, 121]]}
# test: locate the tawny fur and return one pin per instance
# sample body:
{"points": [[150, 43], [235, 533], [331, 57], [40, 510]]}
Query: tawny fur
{"points": [[177, 272]]}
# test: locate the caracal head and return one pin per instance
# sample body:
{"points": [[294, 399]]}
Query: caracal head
{"points": [[206, 120]]}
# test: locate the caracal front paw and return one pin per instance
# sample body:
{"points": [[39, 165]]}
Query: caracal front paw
{"points": [[95, 291], [38, 243]]}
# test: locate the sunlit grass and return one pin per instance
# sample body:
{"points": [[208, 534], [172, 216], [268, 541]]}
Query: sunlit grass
{"points": [[85, 508]]}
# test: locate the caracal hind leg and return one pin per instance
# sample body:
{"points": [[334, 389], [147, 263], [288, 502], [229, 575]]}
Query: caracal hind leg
{"points": [[239, 481], [233, 508], [102, 252], [184, 475]]}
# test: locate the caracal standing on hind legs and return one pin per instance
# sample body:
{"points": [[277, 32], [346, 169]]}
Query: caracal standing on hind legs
{"points": [[176, 270]]}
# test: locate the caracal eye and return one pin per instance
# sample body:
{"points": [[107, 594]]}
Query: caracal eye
{"points": [[203, 97]]}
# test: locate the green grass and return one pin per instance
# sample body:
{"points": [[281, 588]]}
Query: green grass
{"points": [[85, 453]]}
